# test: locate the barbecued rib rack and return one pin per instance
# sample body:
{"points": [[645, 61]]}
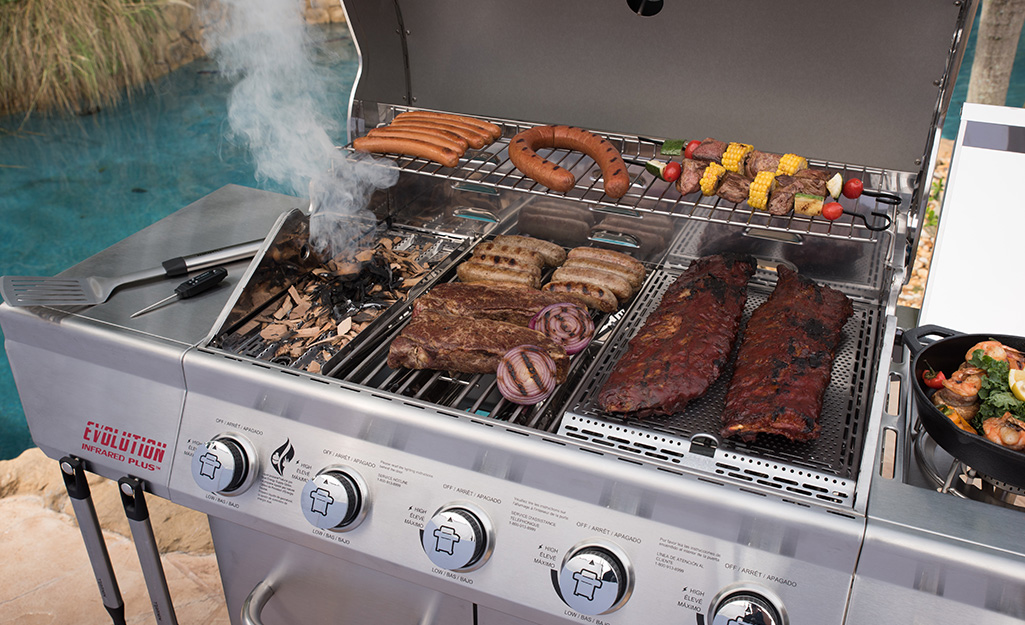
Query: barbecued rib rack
{"points": [[490, 167]]}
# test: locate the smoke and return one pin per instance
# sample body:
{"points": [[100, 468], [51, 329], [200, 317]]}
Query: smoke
{"points": [[279, 108]]}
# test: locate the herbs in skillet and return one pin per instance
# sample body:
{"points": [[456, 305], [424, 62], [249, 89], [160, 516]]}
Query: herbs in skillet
{"points": [[995, 394]]}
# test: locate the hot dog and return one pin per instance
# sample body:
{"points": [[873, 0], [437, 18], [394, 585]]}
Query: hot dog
{"points": [[522, 152], [471, 271], [633, 278], [433, 130], [408, 147], [604, 279], [553, 255], [527, 256], [493, 130], [417, 135], [474, 136], [587, 294]]}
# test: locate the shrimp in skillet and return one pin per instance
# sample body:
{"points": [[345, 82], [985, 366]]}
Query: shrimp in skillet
{"points": [[1006, 430], [998, 351]]}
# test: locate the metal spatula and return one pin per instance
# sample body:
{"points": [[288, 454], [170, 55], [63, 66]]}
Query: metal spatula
{"points": [[44, 291]]}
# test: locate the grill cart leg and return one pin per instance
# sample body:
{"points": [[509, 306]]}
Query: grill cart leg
{"points": [[134, 502], [73, 471]]}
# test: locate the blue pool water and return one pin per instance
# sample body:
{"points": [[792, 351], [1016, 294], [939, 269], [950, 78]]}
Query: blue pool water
{"points": [[70, 187]]}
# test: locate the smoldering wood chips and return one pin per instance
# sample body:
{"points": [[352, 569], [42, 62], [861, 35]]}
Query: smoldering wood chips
{"points": [[325, 309]]}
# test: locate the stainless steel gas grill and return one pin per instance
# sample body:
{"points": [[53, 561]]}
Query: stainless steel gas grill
{"points": [[340, 489]]}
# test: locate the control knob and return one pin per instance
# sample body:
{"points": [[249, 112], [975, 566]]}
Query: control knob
{"points": [[746, 607], [335, 499], [458, 537], [595, 579], [225, 465]]}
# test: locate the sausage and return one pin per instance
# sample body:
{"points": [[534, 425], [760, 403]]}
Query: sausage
{"points": [[471, 271], [475, 137], [553, 255], [610, 281], [507, 262], [587, 294], [523, 154], [493, 130], [609, 256], [434, 130], [408, 147], [633, 278], [417, 135], [523, 254]]}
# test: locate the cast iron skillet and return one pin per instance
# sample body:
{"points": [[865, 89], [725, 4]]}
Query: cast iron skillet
{"points": [[946, 355]]}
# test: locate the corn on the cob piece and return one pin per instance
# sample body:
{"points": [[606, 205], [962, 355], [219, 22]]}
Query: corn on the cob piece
{"points": [[710, 179], [733, 157], [761, 187], [790, 164]]}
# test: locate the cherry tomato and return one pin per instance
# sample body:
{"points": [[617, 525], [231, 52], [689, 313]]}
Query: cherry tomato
{"points": [[832, 210], [933, 379], [853, 188], [672, 171], [689, 151]]}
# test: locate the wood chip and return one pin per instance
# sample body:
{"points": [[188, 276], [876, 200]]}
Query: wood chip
{"points": [[274, 332]]}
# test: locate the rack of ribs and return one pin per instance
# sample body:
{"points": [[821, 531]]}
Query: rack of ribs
{"points": [[784, 362], [685, 342]]}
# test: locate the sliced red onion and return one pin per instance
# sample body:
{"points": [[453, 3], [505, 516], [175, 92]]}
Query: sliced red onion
{"points": [[568, 324], [526, 375]]}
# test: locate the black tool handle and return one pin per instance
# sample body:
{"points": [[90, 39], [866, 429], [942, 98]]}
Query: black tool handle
{"points": [[203, 282], [73, 471]]}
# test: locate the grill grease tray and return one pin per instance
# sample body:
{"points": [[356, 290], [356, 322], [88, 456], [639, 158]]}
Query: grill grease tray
{"points": [[825, 469]]}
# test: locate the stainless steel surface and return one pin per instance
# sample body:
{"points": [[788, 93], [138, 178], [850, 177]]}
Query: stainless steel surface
{"points": [[861, 85], [120, 379], [684, 531], [91, 290]]}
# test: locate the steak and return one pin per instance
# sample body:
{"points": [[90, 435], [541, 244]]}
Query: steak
{"points": [[734, 187], [758, 161], [785, 359], [685, 342], [690, 176], [709, 151], [481, 301], [450, 343]]}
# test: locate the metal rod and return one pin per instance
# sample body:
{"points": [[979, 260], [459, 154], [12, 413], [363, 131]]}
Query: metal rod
{"points": [[73, 472], [134, 502]]}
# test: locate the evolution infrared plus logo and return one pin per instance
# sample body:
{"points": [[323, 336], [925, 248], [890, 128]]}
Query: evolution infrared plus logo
{"points": [[124, 446]]}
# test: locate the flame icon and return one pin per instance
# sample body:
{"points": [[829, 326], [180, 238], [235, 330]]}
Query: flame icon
{"points": [[280, 457]]}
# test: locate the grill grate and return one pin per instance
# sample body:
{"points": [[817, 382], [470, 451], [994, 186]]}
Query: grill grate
{"points": [[491, 167], [476, 394], [824, 469]]}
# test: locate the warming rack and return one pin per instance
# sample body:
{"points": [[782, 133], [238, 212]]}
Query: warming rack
{"points": [[865, 219]]}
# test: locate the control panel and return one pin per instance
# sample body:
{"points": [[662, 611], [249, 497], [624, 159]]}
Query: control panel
{"points": [[495, 531]]}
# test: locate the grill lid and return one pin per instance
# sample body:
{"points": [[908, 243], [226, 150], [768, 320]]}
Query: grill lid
{"points": [[864, 83]]}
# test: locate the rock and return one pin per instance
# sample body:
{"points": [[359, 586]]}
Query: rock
{"points": [[176, 528]]}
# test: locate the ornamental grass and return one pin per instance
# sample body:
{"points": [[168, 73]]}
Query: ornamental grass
{"points": [[74, 56]]}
